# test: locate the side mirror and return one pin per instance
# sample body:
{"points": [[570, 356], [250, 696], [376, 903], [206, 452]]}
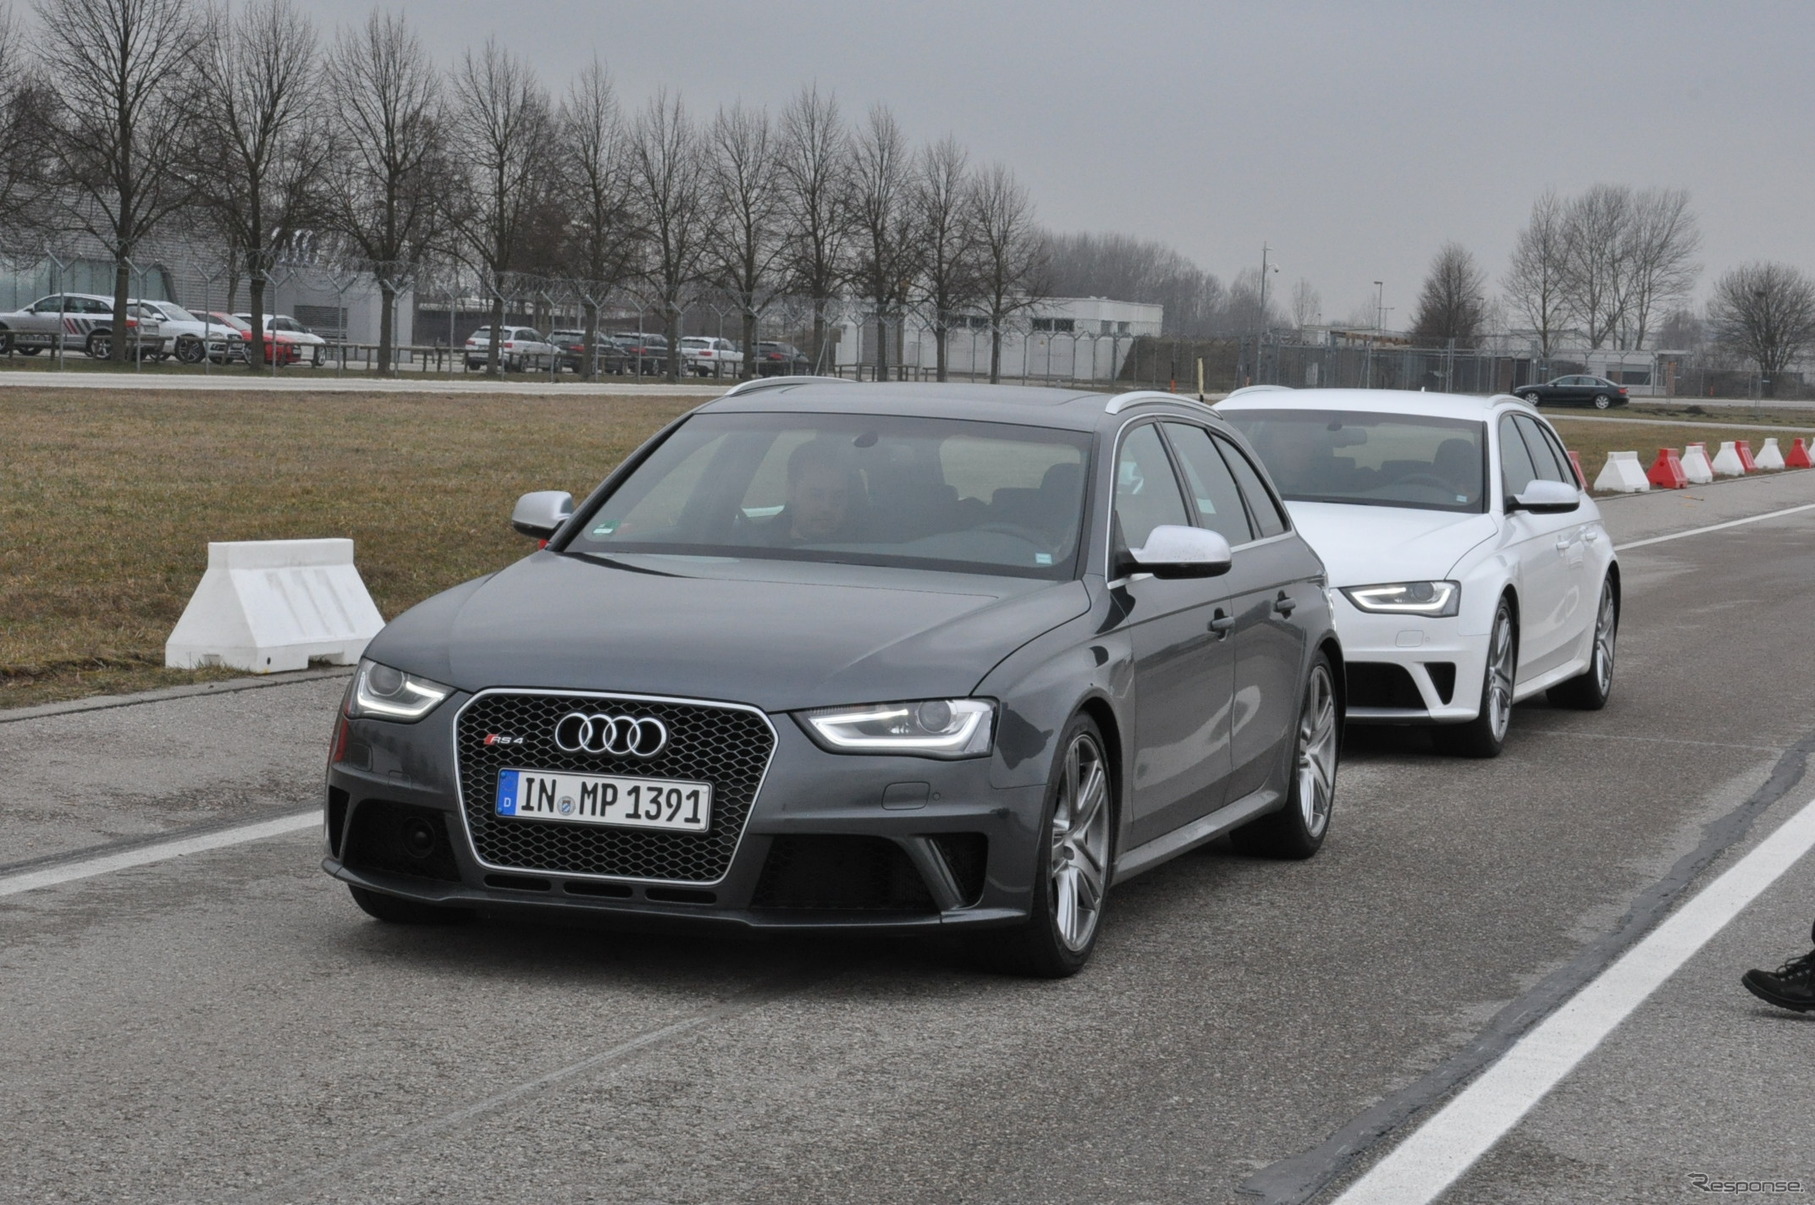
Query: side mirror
{"points": [[1177, 551], [538, 514], [1547, 498]]}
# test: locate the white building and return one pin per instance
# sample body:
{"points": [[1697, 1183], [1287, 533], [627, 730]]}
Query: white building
{"points": [[1061, 338]]}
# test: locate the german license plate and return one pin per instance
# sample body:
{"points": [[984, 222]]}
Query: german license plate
{"points": [[663, 803]]}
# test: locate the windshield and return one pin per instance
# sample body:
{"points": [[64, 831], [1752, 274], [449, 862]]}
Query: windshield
{"points": [[1370, 459], [858, 489]]}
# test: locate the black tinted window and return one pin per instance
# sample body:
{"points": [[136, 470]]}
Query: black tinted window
{"points": [[1546, 459], [1267, 518], [1516, 468], [1212, 489], [1146, 492]]}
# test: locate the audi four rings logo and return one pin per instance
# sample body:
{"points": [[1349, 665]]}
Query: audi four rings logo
{"points": [[618, 735]]}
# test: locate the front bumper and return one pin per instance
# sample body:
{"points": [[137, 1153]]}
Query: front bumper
{"points": [[1409, 669], [830, 841]]}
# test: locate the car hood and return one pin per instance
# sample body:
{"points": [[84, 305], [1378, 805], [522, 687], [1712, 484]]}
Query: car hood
{"points": [[780, 635], [1361, 545]]}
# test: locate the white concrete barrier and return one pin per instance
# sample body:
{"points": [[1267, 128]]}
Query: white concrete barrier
{"points": [[1695, 464], [1770, 456], [1727, 462], [1623, 473], [271, 605]]}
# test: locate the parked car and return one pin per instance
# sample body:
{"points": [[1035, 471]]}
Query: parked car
{"points": [[883, 657], [187, 336], [312, 346], [645, 355], [280, 349], [781, 359], [1578, 390], [1470, 569], [522, 349], [706, 356], [571, 346], [81, 320]]}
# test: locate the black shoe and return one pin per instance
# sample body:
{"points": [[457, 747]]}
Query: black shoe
{"points": [[1790, 986]]}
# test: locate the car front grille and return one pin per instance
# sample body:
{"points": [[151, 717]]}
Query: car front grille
{"points": [[728, 747]]}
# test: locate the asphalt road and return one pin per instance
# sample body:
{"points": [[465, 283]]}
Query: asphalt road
{"points": [[226, 1026]]}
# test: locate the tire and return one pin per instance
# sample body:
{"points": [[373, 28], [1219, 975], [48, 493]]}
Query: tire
{"points": [[1590, 689], [316, 360], [99, 345], [1297, 830], [190, 351], [1485, 735], [24, 351], [1602, 401], [6, 344], [395, 910], [1072, 864], [1532, 398]]}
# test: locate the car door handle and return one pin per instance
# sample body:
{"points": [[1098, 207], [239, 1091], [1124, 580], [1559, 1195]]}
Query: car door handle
{"points": [[1591, 534], [1284, 604], [1221, 624], [1563, 543]]}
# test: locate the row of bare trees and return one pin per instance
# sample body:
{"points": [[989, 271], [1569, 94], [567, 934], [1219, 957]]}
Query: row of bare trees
{"points": [[1609, 262], [240, 121]]}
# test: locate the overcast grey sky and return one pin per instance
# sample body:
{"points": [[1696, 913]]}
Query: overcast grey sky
{"points": [[1352, 138]]}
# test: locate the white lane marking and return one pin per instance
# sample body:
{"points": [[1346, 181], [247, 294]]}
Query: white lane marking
{"points": [[1696, 531], [1439, 1151], [144, 855]]}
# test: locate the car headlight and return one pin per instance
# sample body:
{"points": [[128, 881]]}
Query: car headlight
{"points": [[383, 693], [1435, 599], [928, 728]]}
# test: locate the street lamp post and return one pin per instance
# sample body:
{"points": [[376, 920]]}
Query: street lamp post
{"points": [[1260, 324]]}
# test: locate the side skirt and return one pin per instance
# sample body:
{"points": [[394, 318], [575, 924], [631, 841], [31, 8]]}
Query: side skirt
{"points": [[1204, 828]]}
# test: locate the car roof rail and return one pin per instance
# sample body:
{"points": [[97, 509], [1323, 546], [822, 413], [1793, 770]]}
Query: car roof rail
{"points": [[1246, 389], [1122, 401], [1511, 397], [759, 383]]}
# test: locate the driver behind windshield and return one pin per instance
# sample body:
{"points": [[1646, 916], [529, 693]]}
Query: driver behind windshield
{"points": [[818, 509]]}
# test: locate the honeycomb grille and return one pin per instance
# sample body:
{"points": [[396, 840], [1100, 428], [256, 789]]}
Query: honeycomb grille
{"points": [[724, 746]]}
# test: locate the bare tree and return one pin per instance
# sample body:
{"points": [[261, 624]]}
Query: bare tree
{"points": [[1595, 246], [1132, 269], [888, 250], [592, 175], [120, 71], [1241, 311], [504, 127], [1452, 302], [1535, 281], [388, 176], [1011, 254], [258, 151], [1307, 304], [746, 180], [668, 182], [947, 281], [1662, 239], [24, 116], [1765, 312], [814, 163]]}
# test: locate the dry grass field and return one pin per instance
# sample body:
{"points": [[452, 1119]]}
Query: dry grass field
{"points": [[108, 500]]}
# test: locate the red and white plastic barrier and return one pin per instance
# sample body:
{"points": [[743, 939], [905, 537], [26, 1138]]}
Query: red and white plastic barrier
{"points": [[1623, 474], [1667, 471], [1798, 456], [1695, 464], [1727, 462], [1770, 457], [1744, 447]]}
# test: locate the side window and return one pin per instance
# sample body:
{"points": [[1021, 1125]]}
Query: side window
{"points": [[1268, 521], [1146, 492], [1549, 462], [1516, 469], [1213, 491]]}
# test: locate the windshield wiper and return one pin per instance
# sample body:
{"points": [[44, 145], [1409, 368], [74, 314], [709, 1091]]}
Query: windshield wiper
{"points": [[612, 563]]}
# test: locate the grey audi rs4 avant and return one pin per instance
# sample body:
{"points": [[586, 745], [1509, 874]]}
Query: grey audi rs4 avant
{"points": [[836, 656]]}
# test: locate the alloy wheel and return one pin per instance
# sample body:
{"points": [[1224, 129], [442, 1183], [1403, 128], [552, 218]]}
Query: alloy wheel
{"points": [[1316, 766], [1500, 675], [1606, 631], [1079, 867]]}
